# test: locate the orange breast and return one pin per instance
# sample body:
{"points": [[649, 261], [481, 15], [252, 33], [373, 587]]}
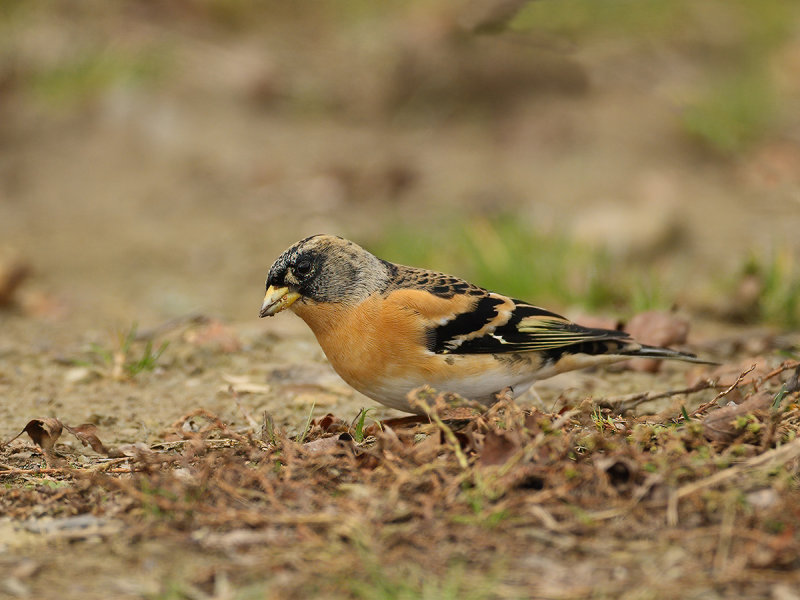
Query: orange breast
{"points": [[380, 337]]}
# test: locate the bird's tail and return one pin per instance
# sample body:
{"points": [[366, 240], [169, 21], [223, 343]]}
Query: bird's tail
{"points": [[664, 353]]}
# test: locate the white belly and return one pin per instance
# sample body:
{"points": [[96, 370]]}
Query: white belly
{"points": [[480, 387]]}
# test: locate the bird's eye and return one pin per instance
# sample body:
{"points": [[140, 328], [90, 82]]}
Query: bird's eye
{"points": [[303, 268]]}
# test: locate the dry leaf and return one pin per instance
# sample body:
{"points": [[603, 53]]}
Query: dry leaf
{"points": [[388, 441], [330, 424], [498, 447], [44, 432], [426, 450], [87, 434], [721, 426]]}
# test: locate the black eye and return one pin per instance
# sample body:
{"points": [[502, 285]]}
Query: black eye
{"points": [[303, 268]]}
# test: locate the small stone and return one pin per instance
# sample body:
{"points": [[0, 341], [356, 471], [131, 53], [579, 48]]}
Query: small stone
{"points": [[79, 375]]}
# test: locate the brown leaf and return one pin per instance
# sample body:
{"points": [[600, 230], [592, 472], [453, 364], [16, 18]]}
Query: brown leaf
{"points": [[330, 424], [426, 450], [87, 434], [720, 425], [44, 432], [389, 441], [532, 421], [656, 328], [498, 447]]}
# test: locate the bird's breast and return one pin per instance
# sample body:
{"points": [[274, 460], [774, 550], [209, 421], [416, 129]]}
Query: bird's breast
{"points": [[368, 342]]}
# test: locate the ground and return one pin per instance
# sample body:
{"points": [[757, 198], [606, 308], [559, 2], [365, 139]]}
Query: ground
{"points": [[154, 160]]}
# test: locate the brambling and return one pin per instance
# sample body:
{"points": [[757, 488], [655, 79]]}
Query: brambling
{"points": [[388, 329]]}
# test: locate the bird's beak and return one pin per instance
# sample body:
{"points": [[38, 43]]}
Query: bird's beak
{"points": [[276, 300]]}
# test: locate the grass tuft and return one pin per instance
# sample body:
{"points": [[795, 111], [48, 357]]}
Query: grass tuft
{"points": [[117, 359], [301, 438], [358, 430]]}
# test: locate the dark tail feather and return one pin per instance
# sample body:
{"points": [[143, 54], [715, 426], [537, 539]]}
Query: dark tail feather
{"points": [[665, 353]]}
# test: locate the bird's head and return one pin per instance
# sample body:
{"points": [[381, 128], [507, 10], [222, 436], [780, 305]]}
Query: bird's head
{"points": [[322, 269]]}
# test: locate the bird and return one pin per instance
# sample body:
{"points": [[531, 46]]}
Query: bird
{"points": [[389, 329]]}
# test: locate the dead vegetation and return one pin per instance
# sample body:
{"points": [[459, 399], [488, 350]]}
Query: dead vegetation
{"points": [[504, 503]]}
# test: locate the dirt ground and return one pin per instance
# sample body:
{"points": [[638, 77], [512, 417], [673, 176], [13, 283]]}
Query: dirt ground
{"points": [[154, 160]]}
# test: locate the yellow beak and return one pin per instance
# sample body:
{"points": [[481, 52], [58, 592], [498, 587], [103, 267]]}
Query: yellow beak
{"points": [[276, 300]]}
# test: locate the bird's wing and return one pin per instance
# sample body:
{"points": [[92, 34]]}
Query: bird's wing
{"points": [[496, 324], [461, 318]]}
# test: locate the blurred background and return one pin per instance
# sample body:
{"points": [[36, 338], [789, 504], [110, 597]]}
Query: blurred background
{"points": [[156, 157]]}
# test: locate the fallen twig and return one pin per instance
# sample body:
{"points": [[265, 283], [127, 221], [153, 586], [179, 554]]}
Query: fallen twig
{"points": [[45, 471], [630, 401], [722, 394]]}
